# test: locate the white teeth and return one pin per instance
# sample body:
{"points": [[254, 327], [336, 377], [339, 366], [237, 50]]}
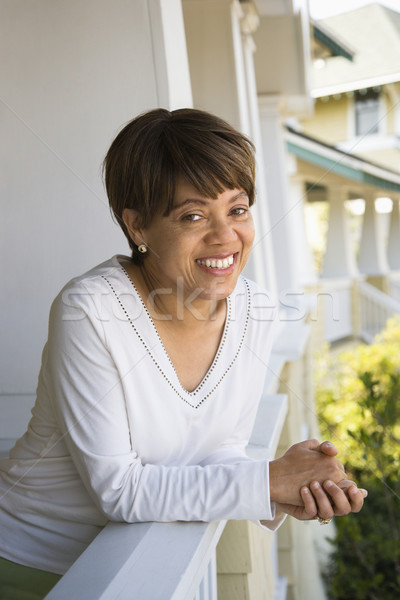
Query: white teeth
{"points": [[217, 263]]}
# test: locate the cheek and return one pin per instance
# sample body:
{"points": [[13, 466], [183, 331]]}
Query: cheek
{"points": [[179, 247], [252, 234], [249, 232]]}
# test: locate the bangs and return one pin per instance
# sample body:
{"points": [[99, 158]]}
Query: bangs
{"points": [[208, 162]]}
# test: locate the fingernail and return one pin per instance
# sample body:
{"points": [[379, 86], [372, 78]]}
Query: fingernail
{"points": [[364, 492], [329, 444], [315, 485], [328, 483], [305, 490]]}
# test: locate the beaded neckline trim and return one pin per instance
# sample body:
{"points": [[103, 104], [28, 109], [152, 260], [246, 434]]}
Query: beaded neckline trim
{"points": [[216, 358], [219, 351]]}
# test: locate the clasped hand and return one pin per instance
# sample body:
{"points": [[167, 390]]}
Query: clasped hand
{"points": [[308, 481]]}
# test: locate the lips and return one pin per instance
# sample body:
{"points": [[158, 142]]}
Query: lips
{"points": [[215, 262]]}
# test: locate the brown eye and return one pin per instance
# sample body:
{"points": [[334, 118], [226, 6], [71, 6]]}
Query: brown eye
{"points": [[192, 217], [239, 211]]}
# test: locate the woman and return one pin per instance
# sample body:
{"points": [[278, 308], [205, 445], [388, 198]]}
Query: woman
{"points": [[155, 364]]}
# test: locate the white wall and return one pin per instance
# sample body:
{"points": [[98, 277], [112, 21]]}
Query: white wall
{"points": [[75, 72]]}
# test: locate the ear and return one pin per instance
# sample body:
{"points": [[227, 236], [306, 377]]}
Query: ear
{"points": [[131, 218]]}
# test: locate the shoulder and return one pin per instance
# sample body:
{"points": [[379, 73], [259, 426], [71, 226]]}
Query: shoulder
{"points": [[110, 268], [85, 293], [259, 304], [258, 307]]}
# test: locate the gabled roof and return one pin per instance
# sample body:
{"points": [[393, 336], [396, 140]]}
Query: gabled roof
{"points": [[373, 31], [335, 46]]}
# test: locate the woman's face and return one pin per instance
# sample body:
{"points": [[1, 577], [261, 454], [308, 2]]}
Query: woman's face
{"points": [[202, 246]]}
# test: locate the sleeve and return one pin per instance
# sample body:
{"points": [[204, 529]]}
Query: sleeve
{"points": [[233, 451], [89, 403], [237, 454]]}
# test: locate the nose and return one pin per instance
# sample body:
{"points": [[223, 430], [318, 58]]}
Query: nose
{"points": [[220, 232]]}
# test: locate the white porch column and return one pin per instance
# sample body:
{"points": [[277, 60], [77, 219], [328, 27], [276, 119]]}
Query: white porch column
{"points": [[171, 64], [339, 259], [216, 59], [372, 257], [220, 49], [286, 209], [263, 254], [393, 249], [302, 251]]}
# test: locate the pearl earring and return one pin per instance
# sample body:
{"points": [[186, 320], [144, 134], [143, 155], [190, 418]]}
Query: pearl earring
{"points": [[142, 248]]}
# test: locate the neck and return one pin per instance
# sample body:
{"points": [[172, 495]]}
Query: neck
{"points": [[183, 309], [175, 305]]}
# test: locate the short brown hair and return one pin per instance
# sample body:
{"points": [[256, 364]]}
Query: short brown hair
{"points": [[154, 149]]}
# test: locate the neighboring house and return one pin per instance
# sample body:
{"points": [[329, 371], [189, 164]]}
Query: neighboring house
{"points": [[357, 101], [349, 149], [75, 73]]}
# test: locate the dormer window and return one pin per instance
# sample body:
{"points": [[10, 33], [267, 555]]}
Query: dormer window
{"points": [[367, 111]]}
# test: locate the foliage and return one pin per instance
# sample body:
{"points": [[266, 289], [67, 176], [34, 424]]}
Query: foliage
{"points": [[358, 397]]}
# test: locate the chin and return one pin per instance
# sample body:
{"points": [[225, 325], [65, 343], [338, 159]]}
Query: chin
{"points": [[220, 293]]}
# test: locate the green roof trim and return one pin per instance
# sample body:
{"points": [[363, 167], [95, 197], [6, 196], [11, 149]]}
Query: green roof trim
{"points": [[328, 41], [335, 166]]}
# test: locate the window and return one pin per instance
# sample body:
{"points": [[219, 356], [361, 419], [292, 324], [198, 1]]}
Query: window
{"points": [[367, 112]]}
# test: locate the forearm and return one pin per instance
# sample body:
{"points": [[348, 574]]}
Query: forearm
{"points": [[194, 493]]}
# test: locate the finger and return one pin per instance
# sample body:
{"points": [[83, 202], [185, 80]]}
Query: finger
{"points": [[324, 506], [356, 498], [310, 444], [346, 484], [342, 505], [310, 507], [328, 448]]}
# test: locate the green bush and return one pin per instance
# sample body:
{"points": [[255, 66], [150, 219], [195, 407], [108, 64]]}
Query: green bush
{"points": [[358, 399]]}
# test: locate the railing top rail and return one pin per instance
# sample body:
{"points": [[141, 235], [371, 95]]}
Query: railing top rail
{"points": [[150, 561], [394, 276], [336, 284], [271, 415], [372, 293]]}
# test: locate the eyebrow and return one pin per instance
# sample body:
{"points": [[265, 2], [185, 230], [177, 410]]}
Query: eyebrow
{"points": [[199, 201]]}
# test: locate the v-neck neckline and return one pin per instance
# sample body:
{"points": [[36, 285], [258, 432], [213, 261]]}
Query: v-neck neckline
{"points": [[193, 398], [217, 355]]}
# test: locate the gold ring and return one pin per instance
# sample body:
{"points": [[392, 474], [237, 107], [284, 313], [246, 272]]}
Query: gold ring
{"points": [[323, 521]]}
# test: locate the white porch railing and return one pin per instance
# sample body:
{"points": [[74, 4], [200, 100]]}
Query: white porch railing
{"points": [[375, 308], [147, 561], [394, 286], [352, 307]]}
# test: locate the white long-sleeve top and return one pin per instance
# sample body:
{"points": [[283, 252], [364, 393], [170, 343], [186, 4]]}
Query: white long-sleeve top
{"points": [[114, 435]]}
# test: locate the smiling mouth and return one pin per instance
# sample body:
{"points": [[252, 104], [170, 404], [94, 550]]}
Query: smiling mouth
{"points": [[216, 263]]}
